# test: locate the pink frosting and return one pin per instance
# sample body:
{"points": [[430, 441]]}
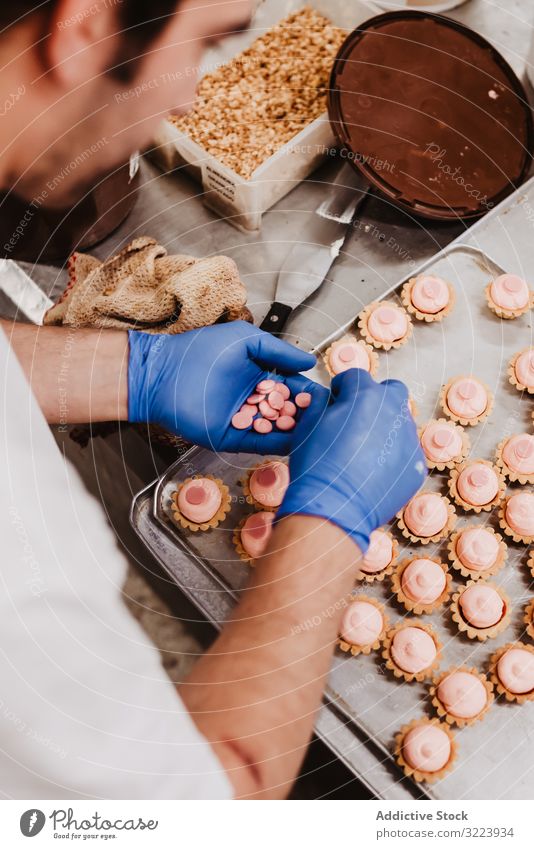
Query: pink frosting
{"points": [[426, 514], [524, 368], [509, 292], [413, 649], [430, 294], [516, 670], [379, 554], [361, 624], [477, 548], [462, 694], [426, 748], [481, 605], [256, 532], [477, 484], [348, 354], [199, 500], [467, 397], [441, 441], [268, 483], [520, 513], [518, 453], [387, 323], [423, 580]]}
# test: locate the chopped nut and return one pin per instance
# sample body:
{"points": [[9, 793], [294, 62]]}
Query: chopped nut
{"points": [[249, 108]]}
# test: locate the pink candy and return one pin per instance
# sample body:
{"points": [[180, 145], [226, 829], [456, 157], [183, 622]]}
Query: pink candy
{"points": [[267, 411], [269, 405], [276, 399], [289, 409], [285, 422], [283, 390], [303, 400], [262, 425], [265, 386]]}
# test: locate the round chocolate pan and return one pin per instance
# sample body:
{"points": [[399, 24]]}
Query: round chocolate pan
{"points": [[431, 113]]}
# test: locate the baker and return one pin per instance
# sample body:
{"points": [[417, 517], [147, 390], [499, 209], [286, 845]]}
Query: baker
{"points": [[85, 707]]}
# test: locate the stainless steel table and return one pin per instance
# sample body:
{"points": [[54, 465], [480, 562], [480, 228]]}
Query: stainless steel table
{"points": [[384, 246]]}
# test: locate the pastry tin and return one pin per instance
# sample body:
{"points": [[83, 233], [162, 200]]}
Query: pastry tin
{"points": [[432, 114], [470, 340]]}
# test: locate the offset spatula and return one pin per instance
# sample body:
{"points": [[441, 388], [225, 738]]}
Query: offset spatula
{"points": [[309, 260]]}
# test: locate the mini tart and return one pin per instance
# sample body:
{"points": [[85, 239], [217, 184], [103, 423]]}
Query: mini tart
{"points": [[508, 296], [392, 331], [481, 594], [461, 695], [471, 480], [472, 413], [418, 586], [349, 352], [444, 444], [524, 501], [481, 553], [382, 545], [445, 511], [505, 667], [263, 538], [427, 297], [218, 517], [365, 632], [252, 494], [393, 650], [530, 562], [515, 457], [528, 618], [521, 370], [425, 755]]}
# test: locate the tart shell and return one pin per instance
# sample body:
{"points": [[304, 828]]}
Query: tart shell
{"points": [[366, 649], [451, 522], [363, 319], [414, 606], [424, 316], [520, 698], [390, 663], [474, 633], [474, 574], [220, 515], [373, 356], [465, 505], [442, 712], [459, 419], [416, 774]]}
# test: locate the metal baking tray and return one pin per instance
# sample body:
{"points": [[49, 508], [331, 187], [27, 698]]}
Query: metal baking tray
{"points": [[469, 341]]}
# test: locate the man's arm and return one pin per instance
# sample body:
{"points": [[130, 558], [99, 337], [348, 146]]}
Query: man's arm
{"points": [[77, 375], [255, 694]]}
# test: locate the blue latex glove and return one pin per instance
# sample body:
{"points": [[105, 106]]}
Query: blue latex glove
{"points": [[356, 459], [192, 383]]}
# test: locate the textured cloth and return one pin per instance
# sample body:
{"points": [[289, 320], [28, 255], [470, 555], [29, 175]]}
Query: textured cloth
{"points": [[143, 288]]}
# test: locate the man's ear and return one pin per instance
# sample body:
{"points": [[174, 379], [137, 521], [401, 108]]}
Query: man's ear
{"points": [[83, 40]]}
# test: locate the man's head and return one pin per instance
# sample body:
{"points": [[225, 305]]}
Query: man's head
{"points": [[88, 81]]}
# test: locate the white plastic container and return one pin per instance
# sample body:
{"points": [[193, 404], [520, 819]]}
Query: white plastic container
{"points": [[243, 202]]}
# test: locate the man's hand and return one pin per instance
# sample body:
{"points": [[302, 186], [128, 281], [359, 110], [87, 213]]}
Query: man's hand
{"points": [[194, 382], [356, 460]]}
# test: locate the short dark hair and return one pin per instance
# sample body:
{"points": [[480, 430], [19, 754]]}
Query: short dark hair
{"points": [[139, 27]]}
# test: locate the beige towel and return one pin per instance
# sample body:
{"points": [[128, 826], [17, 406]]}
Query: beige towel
{"points": [[143, 288]]}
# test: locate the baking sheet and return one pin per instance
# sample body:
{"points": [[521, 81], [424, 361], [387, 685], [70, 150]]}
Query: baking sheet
{"points": [[470, 340]]}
